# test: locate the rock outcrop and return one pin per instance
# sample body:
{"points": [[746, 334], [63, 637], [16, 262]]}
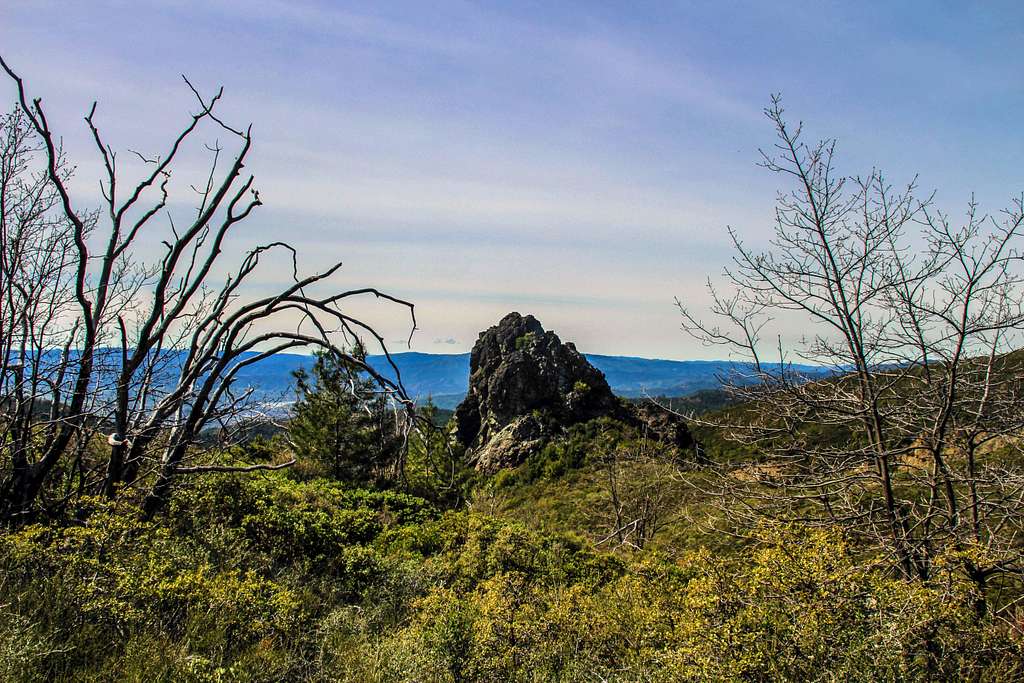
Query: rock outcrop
{"points": [[526, 387]]}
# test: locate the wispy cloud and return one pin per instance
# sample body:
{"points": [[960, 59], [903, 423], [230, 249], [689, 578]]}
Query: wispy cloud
{"points": [[634, 70], [337, 21], [578, 160]]}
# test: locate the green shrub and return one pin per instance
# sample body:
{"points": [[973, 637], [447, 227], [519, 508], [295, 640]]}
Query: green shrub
{"points": [[580, 445], [525, 341], [798, 608], [268, 579]]}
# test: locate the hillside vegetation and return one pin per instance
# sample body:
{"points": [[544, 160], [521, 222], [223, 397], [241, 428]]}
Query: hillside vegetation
{"points": [[297, 575], [273, 578]]}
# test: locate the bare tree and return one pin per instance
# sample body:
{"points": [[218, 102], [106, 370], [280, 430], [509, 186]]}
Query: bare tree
{"points": [[95, 338], [640, 498], [917, 320]]}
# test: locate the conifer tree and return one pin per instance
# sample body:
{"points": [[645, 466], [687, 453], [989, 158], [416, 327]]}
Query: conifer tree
{"points": [[343, 421]]}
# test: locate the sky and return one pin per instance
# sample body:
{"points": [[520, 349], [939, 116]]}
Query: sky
{"points": [[579, 161]]}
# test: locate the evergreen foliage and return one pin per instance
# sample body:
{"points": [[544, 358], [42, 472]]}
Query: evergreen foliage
{"points": [[343, 422]]}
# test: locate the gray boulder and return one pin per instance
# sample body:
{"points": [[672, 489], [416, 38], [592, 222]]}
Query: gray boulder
{"points": [[526, 386]]}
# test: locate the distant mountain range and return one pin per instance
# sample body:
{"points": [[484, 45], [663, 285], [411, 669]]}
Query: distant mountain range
{"points": [[445, 377]]}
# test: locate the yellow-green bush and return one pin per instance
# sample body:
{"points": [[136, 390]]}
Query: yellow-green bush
{"points": [[799, 608], [268, 579]]}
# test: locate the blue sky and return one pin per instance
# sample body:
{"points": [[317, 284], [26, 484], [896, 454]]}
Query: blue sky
{"points": [[579, 161]]}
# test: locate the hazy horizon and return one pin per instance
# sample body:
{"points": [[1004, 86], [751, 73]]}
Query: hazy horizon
{"points": [[577, 161]]}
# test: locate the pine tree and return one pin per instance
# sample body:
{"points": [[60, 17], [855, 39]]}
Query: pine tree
{"points": [[341, 421]]}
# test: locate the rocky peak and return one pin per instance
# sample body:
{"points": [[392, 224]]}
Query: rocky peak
{"points": [[526, 386]]}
